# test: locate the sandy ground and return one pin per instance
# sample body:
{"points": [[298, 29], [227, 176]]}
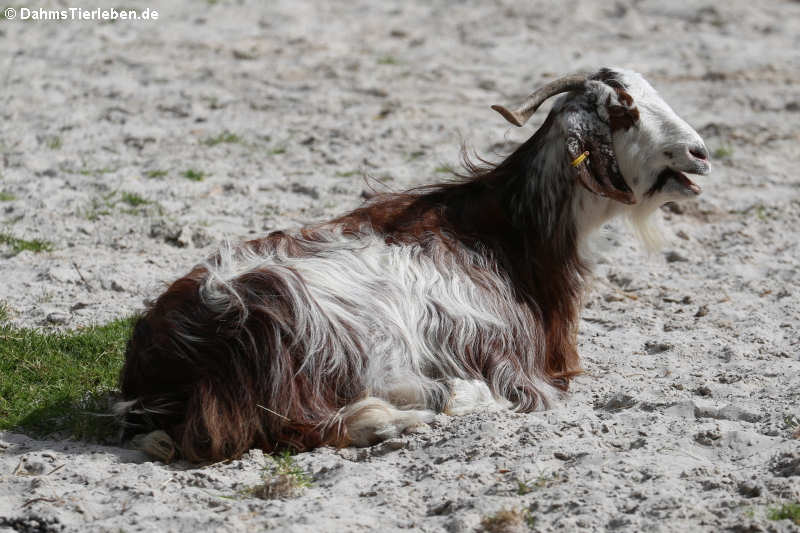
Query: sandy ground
{"points": [[683, 420]]}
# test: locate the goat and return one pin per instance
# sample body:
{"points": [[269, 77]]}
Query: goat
{"points": [[446, 298]]}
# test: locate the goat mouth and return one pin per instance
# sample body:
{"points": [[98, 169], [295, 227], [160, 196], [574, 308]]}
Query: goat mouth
{"points": [[675, 180]]}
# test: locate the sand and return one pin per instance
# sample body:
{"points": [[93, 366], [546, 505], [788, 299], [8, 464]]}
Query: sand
{"points": [[683, 420]]}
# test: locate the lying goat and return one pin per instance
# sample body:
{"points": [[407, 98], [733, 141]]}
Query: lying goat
{"points": [[447, 298]]}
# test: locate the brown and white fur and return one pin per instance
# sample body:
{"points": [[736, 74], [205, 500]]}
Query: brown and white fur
{"points": [[446, 298]]}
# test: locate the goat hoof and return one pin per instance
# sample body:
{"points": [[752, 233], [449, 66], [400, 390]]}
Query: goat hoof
{"points": [[417, 429], [158, 445]]}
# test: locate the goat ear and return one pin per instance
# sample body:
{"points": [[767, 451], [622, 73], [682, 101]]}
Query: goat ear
{"points": [[599, 172]]}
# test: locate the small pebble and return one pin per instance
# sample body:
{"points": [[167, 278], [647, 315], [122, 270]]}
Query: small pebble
{"points": [[674, 257]]}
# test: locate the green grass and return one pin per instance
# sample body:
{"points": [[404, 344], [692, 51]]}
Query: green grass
{"points": [[277, 151], [723, 152], [133, 199], [105, 205], [7, 197], [100, 206], [760, 210], [347, 174], [387, 60], [285, 465], [155, 174], [18, 245], [60, 382], [95, 171], [790, 511], [194, 175], [444, 169], [54, 143], [523, 488], [224, 137], [542, 482], [282, 478]]}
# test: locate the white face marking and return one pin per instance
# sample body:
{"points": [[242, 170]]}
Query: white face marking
{"points": [[661, 140]]}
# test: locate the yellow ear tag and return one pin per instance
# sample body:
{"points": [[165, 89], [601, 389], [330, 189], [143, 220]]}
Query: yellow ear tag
{"points": [[578, 160]]}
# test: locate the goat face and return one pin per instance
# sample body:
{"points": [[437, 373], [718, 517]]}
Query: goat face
{"points": [[655, 148], [639, 150]]}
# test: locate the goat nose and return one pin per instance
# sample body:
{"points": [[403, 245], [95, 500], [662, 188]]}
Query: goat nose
{"points": [[699, 151]]}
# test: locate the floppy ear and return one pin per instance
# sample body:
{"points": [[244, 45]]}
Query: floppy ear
{"points": [[599, 171]]}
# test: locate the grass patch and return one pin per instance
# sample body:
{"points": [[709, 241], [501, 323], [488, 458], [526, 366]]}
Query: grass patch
{"points": [[224, 137], [95, 171], [133, 199], [277, 151], [759, 210], [194, 175], [723, 152], [542, 482], [155, 174], [18, 245], [105, 204], [61, 382], [387, 60], [347, 174], [444, 169], [524, 488], [100, 206], [282, 478], [787, 511], [54, 143], [7, 197]]}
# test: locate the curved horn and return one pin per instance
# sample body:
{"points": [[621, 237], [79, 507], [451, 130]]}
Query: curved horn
{"points": [[524, 112]]}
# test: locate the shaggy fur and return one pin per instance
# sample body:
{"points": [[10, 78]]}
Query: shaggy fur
{"points": [[450, 297]]}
